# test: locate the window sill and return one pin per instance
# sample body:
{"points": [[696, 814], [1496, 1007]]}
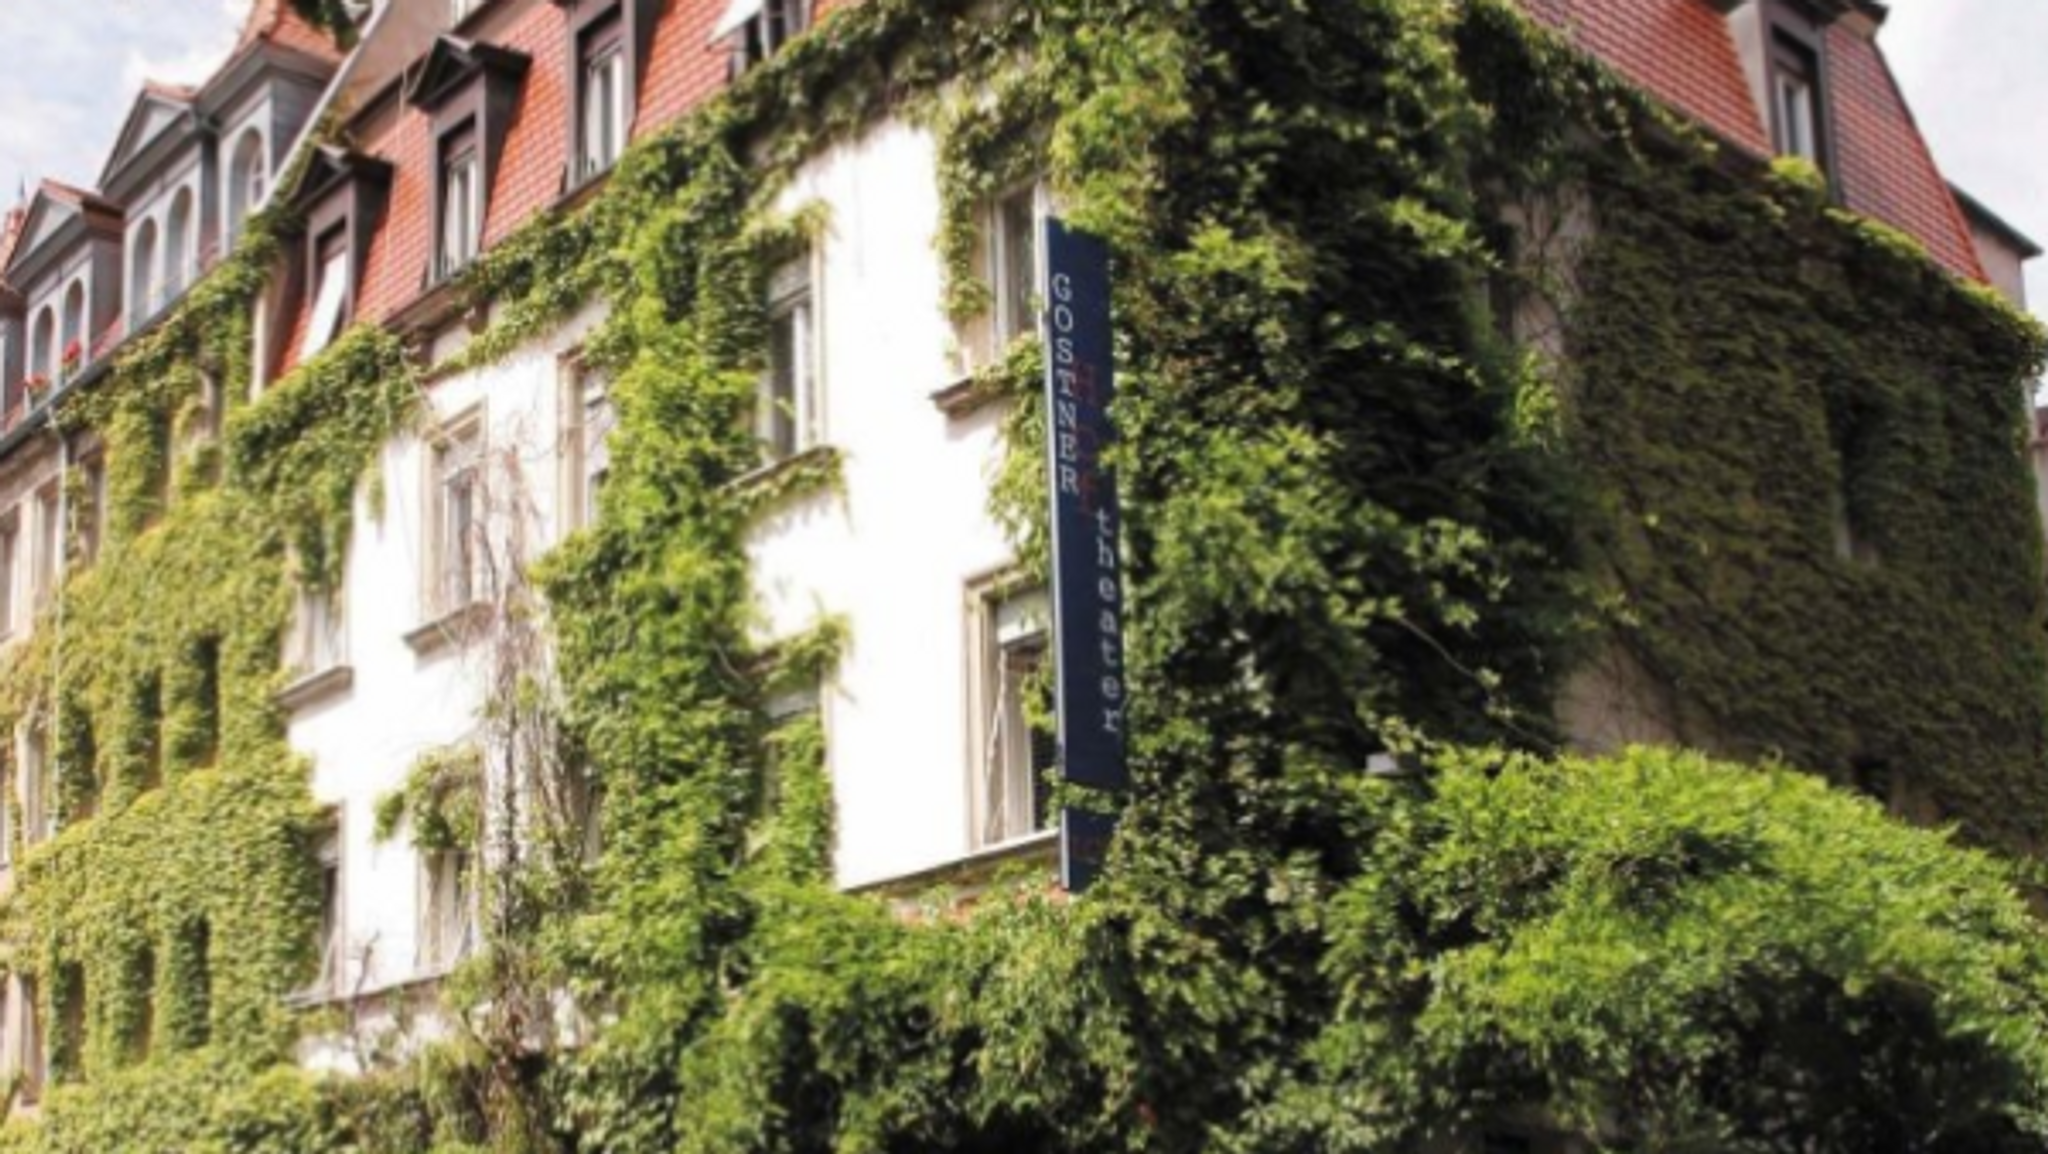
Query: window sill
{"points": [[974, 869], [312, 688], [801, 474], [965, 397], [454, 629]]}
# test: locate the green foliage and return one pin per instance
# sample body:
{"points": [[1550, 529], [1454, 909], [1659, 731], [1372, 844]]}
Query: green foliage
{"points": [[1356, 522], [1666, 953], [442, 799]]}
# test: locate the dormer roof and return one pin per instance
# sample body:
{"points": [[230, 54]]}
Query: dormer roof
{"points": [[10, 233], [159, 109], [452, 62], [58, 212]]}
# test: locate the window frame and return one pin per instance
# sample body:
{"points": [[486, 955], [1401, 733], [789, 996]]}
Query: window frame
{"points": [[330, 857], [1795, 49], [585, 419], [46, 573], [995, 706], [32, 761], [463, 434], [758, 36], [460, 155], [328, 314], [794, 300], [10, 572], [446, 877]]}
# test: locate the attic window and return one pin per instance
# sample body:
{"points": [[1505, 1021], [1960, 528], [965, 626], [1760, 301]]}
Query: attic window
{"points": [[758, 29], [330, 291], [1798, 94], [471, 92]]}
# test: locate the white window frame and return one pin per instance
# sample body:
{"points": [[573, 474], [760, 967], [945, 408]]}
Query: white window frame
{"points": [[1011, 318], [462, 211], [586, 417], [758, 29], [603, 115], [48, 571], [318, 640], [330, 300], [1009, 625], [457, 572], [792, 301], [32, 756], [447, 910], [10, 572], [330, 856]]}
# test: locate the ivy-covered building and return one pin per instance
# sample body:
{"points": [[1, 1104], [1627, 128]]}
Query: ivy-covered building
{"points": [[527, 621]]}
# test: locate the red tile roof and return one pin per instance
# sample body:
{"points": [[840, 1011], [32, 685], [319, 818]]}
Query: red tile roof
{"points": [[278, 22], [1683, 53], [1887, 171], [1679, 51]]}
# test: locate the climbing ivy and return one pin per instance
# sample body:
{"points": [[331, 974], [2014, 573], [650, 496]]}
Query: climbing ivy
{"points": [[1359, 521]]}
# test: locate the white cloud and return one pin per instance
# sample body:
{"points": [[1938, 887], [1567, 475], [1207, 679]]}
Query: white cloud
{"points": [[73, 69]]}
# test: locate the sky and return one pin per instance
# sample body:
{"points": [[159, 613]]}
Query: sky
{"points": [[1975, 72], [73, 69]]}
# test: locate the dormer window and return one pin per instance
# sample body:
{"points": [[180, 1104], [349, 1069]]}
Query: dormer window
{"points": [[1796, 118], [602, 97], [470, 91], [610, 40], [342, 196], [462, 201], [330, 292], [758, 29]]}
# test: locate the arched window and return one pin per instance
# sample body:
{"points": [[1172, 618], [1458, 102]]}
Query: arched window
{"points": [[42, 352], [247, 172], [179, 258], [143, 297], [71, 357]]}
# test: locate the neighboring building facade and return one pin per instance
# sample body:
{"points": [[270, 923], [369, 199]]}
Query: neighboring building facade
{"points": [[461, 122]]}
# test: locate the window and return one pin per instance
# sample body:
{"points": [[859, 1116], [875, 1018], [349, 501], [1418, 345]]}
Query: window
{"points": [[456, 549], [785, 712], [1008, 262], [49, 542], [330, 293], [317, 641], [789, 419], [142, 284], [462, 202], [179, 236], [447, 910], [7, 782], [42, 353], [30, 1058], [1014, 761], [758, 29], [603, 96], [10, 548], [248, 172], [587, 418], [1798, 120], [72, 358], [1013, 261], [38, 816], [333, 943], [459, 10], [92, 512]]}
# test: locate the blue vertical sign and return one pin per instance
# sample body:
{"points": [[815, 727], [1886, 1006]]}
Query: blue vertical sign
{"points": [[1087, 589]]}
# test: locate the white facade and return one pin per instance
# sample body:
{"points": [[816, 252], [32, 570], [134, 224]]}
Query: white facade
{"points": [[898, 555]]}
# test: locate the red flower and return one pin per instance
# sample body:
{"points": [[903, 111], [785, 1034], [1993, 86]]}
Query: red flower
{"points": [[72, 352]]}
